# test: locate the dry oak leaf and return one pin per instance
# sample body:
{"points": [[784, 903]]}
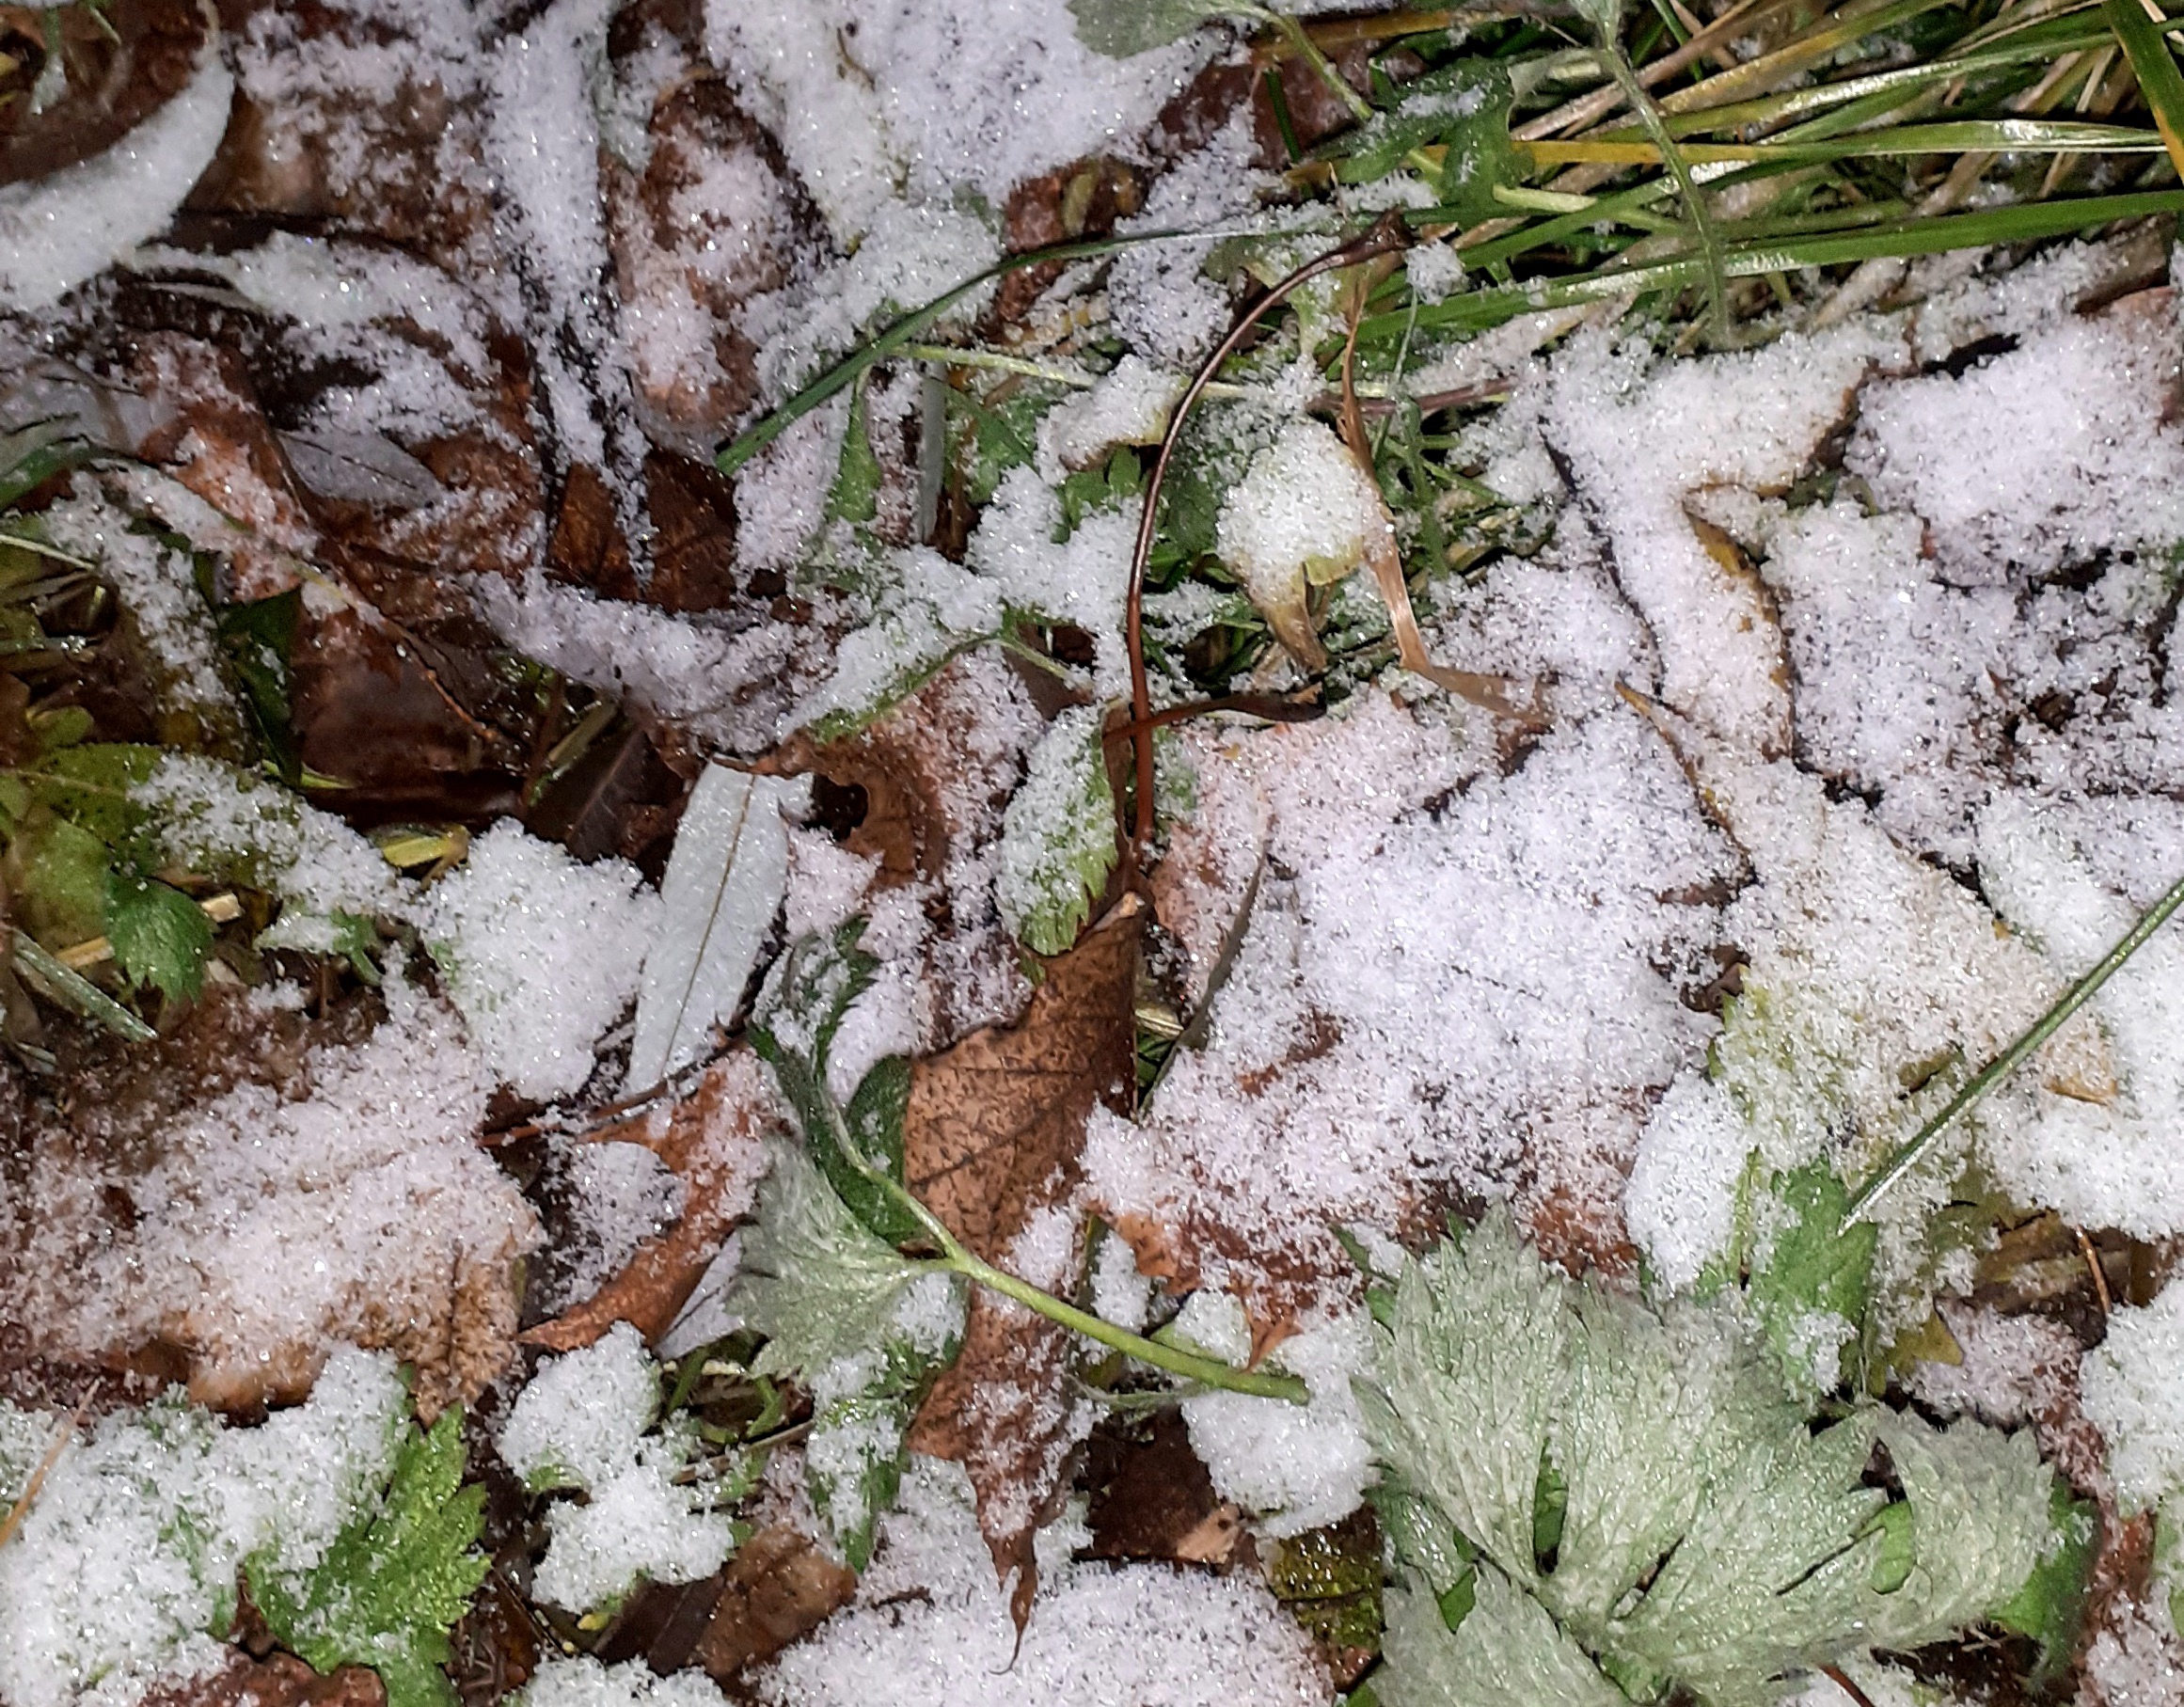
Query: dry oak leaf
{"points": [[992, 1141], [713, 1141], [280, 1680]]}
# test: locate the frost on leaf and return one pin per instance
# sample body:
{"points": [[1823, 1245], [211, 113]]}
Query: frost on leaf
{"points": [[1057, 838], [1120, 29], [1711, 1537]]}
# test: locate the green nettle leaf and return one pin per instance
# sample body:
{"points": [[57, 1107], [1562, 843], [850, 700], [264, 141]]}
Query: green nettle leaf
{"points": [[865, 1327], [1809, 1288], [1057, 837], [160, 936], [1120, 29], [395, 1581], [1712, 1536]]}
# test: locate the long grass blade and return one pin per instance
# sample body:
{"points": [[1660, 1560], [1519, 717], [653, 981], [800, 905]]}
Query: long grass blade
{"points": [[1994, 1072], [1964, 135], [2146, 46]]}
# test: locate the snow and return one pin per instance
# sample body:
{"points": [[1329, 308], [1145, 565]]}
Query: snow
{"points": [[539, 952], [584, 1421], [1297, 1467], [930, 1628], [1082, 580], [1128, 405], [1305, 512], [130, 1554], [1680, 1200], [870, 99], [57, 231], [583, 1682], [2133, 1385]]}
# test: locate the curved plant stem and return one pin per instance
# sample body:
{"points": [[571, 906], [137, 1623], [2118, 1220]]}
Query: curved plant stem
{"points": [[1384, 238], [2077, 996]]}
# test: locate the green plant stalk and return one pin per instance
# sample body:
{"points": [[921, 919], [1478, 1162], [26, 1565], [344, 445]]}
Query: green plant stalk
{"points": [[1709, 240], [1908, 1156], [1207, 1372], [956, 1259], [2146, 46]]}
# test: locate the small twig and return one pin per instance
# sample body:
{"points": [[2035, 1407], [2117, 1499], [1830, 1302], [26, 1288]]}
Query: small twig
{"points": [[1269, 706], [30, 1489], [2077, 996], [1837, 1676], [1387, 236], [2099, 1275]]}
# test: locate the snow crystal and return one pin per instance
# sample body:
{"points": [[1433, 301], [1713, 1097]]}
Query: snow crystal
{"points": [[582, 1422], [930, 1628], [132, 1549], [952, 94], [539, 952], [57, 231], [2110, 1162], [1083, 580], [618, 1195], [1298, 1467], [1304, 513], [2049, 454], [1680, 1202], [1434, 270], [577, 1421], [2130, 1383], [1120, 1294], [583, 1682], [1129, 405]]}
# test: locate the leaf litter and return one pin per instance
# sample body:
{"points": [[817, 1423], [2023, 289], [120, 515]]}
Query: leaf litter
{"points": [[1194, 1001]]}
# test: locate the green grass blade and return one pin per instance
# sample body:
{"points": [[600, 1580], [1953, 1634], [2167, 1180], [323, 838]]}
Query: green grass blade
{"points": [[1994, 1072], [911, 327], [2146, 44]]}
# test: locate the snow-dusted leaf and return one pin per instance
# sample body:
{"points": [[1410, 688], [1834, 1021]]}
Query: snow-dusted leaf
{"points": [[1120, 29], [1712, 1537], [1505, 1652], [724, 885], [1057, 838], [858, 1322], [160, 936]]}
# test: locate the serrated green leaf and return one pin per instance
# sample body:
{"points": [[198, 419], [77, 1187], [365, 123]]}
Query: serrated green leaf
{"points": [[1058, 835], [814, 1279], [1712, 1538], [160, 936], [1463, 108], [1120, 29], [1809, 1288], [395, 1581]]}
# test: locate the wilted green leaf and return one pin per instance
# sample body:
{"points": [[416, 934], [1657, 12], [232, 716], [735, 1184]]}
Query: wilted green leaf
{"points": [[59, 873], [160, 936], [1057, 837], [89, 785], [395, 1581], [1120, 29]]}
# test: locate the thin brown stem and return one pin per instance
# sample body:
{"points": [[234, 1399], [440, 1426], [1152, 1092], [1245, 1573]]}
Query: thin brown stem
{"points": [[1386, 237]]}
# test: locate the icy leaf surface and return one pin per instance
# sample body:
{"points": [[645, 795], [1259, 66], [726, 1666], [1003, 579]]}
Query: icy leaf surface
{"points": [[1709, 1536]]}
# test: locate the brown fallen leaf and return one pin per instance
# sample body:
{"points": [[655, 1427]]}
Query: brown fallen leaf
{"points": [[1153, 1498], [280, 1680], [120, 68], [712, 1139], [780, 1589], [992, 1141]]}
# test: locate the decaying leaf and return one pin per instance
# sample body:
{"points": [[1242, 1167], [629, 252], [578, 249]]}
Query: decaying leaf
{"points": [[713, 1138], [780, 1587], [992, 1140], [280, 1680], [165, 1216]]}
